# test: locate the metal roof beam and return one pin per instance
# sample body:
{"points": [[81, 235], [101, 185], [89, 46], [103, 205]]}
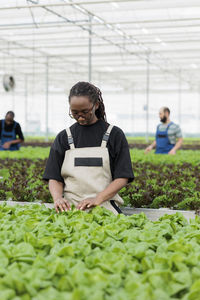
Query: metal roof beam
{"points": [[138, 4]]}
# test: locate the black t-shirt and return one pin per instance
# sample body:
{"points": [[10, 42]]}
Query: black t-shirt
{"points": [[91, 136], [9, 128]]}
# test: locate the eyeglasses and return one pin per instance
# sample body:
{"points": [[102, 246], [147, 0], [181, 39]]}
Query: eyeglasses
{"points": [[74, 115]]}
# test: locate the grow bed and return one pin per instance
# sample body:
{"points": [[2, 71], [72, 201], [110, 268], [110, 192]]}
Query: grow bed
{"points": [[151, 214]]}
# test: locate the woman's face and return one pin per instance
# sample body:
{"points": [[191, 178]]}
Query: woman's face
{"points": [[83, 110]]}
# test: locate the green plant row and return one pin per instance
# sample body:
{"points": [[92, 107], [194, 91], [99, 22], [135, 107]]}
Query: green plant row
{"points": [[182, 156], [160, 180], [97, 256], [187, 140], [132, 139], [26, 153], [22, 180], [39, 138], [175, 186]]}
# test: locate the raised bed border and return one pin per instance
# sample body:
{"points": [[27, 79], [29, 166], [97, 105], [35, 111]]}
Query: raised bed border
{"points": [[152, 214]]}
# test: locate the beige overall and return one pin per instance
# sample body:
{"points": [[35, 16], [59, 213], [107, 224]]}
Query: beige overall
{"points": [[86, 172]]}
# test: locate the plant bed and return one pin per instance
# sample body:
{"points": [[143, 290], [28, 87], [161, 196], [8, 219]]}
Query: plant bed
{"points": [[145, 145], [36, 144], [97, 255], [160, 180], [151, 214], [174, 186], [136, 145], [22, 179]]}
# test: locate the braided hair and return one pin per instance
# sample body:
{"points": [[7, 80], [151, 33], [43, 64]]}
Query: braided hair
{"points": [[83, 88]]}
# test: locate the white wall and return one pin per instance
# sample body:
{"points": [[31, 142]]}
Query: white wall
{"points": [[124, 110]]}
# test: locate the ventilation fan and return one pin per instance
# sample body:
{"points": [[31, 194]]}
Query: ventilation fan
{"points": [[8, 82]]}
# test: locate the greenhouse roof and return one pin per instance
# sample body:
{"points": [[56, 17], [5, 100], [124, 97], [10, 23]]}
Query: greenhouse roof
{"points": [[117, 42]]}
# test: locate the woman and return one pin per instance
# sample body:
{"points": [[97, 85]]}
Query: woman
{"points": [[90, 161]]}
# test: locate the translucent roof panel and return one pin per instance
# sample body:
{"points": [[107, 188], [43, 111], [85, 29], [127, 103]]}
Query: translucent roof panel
{"points": [[117, 38]]}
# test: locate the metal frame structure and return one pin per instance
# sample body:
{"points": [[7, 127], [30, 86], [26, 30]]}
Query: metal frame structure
{"points": [[152, 46]]}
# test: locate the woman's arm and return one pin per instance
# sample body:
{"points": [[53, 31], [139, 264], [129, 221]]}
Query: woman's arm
{"points": [[56, 190], [111, 190]]}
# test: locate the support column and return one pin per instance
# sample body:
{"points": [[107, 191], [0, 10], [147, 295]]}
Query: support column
{"points": [[132, 110], [147, 96], [179, 98], [13, 100], [199, 114], [26, 103], [47, 100], [90, 50]]}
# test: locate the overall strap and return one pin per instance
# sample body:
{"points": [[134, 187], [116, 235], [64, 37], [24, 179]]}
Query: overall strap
{"points": [[70, 138], [169, 125], [3, 125], [2, 128], [106, 136], [157, 129]]}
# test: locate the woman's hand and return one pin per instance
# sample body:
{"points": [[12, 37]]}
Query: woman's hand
{"points": [[110, 191], [61, 204], [88, 203]]}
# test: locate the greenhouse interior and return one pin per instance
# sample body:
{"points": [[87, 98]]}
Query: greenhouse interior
{"points": [[99, 150]]}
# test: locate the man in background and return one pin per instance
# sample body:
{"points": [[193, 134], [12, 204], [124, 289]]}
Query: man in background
{"points": [[10, 133], [168, 135]]}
